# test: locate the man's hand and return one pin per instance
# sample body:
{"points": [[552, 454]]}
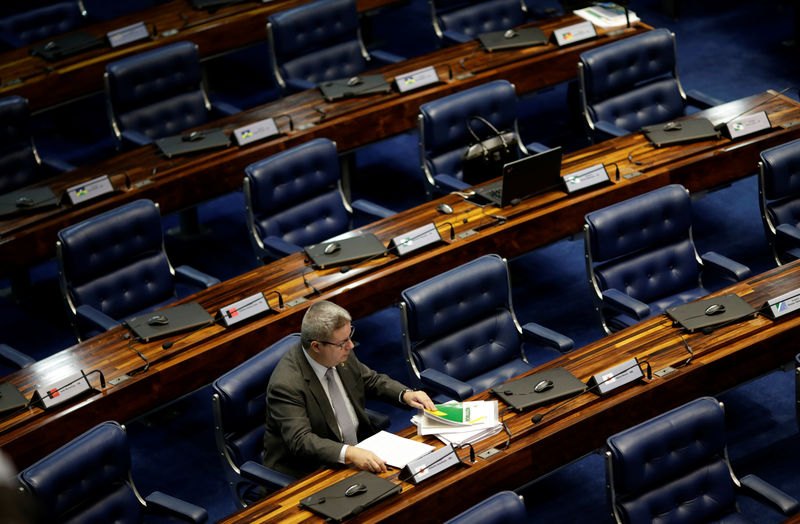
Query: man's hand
{"points": [[364, 459], [418, 399]]}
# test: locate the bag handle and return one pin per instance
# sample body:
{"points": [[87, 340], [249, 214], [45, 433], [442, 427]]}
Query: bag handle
{"points": [[487, 123]]}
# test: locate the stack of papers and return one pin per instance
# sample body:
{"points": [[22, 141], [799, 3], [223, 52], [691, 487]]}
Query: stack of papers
{"points": [[460, 423], [395, 450], [606, 14]]}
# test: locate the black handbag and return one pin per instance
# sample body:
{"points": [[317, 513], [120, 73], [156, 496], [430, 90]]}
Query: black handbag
{"points": [[484, 159]]}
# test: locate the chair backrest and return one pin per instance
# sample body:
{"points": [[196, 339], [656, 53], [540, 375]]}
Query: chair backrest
{"points": [[295, 195], [37, 24], [462, 323], [443, 132], [643, 246], [474, 17], [779, 190], [316, 42], [673, 467], [158, 93], [115, 262], [86, 480], [239, 400], [19, 161], [505, 507], [632, 82]]}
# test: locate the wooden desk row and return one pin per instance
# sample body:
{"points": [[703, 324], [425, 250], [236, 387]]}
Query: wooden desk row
{"points": [[723, 359], [46, 83], [185, 181], [196, 360]]}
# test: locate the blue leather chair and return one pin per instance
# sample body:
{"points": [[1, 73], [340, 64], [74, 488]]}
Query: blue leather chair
{"points": [[318, 42], [779, 199], [294, 199], [505, 507], [632, 83], [797, 387], [460, 333], [18, 358], [159, 93], [675, 468], [457, 21], [34, 25], [20, 163], [443, 133], [114, 266], [89, 480], [641, 259], [238, 400]]}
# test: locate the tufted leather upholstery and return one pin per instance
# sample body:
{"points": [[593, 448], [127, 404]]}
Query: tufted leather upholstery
{"points": [[316, 42], [27, 27], [239, 398], [115, 263], [505, 507], [631, 83], [88, 480], [458, 21], [443, 133], [642, 248], [461, 323], [779, 198], [674, 468]]}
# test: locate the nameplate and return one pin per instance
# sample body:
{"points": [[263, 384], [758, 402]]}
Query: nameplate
{"points": [[416, 79], [415, 239], [61, 391], [243, 309], [255, 131], [588, 177], [784, 304], [127, 34], [616, 377], [747, 125], [429, 465], [94, 188], [575, 33]]}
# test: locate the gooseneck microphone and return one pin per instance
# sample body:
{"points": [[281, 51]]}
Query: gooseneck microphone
{"points": [[726, 122]]}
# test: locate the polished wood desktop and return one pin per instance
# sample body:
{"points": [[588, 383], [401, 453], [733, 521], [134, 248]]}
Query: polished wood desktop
{"points": [[721, 360], [185, 181], [194, 361], [215, 32]]}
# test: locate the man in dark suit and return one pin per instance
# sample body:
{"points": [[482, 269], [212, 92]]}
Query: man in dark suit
{"points": [[316, 399]]}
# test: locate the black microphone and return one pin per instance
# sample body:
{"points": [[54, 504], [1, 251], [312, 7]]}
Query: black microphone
{"points": [[726, 122], [315, 290], [287, 115], [280, 297], [452, 230]]}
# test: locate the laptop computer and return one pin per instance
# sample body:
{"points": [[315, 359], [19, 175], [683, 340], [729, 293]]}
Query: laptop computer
{"points": [[66, 46], [354, 86], [345, 250], [334, 505], [11, 398], [710, 312], [192, 142], [680, 131], [27, 200], [520, 393], [169, 321], [524, 178], [512, 39]]}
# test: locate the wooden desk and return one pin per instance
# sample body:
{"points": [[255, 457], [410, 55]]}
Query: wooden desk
{"points": [[196, 360], [729, 356], [46, 83], [185, 181]]}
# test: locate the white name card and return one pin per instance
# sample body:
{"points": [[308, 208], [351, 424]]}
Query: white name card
{"points": [[587, 177], [745, 125], [430, 464], [618, 376], [575, 33], [255, 131], [127, 34], [784, 304], [416, 79], [88, 190], [416, 239], [244, 309], [61, 391]]}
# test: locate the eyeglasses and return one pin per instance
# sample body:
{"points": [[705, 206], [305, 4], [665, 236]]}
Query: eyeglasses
{"points": [[343, 344]]}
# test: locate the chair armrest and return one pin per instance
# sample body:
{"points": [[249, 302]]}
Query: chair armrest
{"points": [[94, 318], [130, 136], [190, 275], [726, 266], [536, 147], [702, 100], [785, 502], [533, 332], [184, 510], [386, 57], [56, 165], [788, 233], [616, 299], [381, 421], [371, 208], [298, 84], [221, 109], [446, 384], [18, 358], [610, 129], [455, 37], [449, 183], [279, 247], [255, 472]]}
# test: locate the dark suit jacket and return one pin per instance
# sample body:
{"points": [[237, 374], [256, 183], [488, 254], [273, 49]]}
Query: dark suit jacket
{"points": [[301, 431]]}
